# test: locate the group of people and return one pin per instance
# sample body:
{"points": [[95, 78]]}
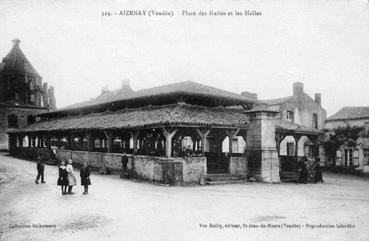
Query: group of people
{"points": [[66, 177], [312, 171]]}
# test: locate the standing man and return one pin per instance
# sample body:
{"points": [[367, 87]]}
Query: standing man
{"points": [[318, 177], [40, 170], [124, 165]]}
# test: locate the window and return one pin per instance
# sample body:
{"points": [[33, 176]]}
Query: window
{"points": [[33, 98], [289, 116], [12, 121], [366, 157], [347, 157], [315, 121]]}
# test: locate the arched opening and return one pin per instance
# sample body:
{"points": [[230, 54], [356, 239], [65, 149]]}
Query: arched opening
{"points": [[287, 146]]}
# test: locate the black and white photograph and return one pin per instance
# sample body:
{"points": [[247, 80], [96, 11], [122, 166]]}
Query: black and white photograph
{"points": [[194, 120]]}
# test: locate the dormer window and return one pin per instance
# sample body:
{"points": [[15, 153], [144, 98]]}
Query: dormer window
{"points": [[289, 116]]}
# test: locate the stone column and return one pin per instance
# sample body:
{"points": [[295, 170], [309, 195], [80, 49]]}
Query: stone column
{"points": [[168, 140], [261, 151]]}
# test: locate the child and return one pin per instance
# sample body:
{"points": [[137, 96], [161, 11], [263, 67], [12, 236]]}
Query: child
{"points": [[71, 178], [85, 177], [63, 178]]}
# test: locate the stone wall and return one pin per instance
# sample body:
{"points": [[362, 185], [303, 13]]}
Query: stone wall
{"points": [[94, 159], [238, 166], [193, 168], [173, 171]]}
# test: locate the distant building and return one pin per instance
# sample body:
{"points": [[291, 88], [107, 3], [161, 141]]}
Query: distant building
{"points": [[348, 129], [302, 112], [22, 93]]}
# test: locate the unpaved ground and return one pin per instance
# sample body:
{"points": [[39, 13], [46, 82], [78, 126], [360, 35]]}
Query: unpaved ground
{"points": [[119, 209]]}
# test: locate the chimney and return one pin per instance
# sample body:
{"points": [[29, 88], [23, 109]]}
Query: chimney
{"points": [[366, 128], [126, 88], [250, 95], [318, 99], [45, 86], [125, 82], [16, 42], [52, 104], [105, 89], [298, 88]]}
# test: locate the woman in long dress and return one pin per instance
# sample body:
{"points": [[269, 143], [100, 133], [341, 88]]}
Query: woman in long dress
{"points": [[71, 178]]}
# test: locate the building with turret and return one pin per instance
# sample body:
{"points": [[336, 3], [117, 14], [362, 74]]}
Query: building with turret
{"points": [[22, 93]]}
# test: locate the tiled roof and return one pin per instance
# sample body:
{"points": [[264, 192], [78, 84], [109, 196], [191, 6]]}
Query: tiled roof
{"points": [[188, 88], [150, 116], [276, 101], [289, 126], [351, 112], [107, 96]]}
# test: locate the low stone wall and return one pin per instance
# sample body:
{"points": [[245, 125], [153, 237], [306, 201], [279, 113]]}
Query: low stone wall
{"points": [[174, 171], [94, 159], [238, 166], [193, 168], [159, 169]]}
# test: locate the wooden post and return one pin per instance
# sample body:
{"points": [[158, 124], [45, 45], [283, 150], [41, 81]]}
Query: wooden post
{"points": [[168, 140], [91, 142], [297, 138], [59, 142], [81, 138], [20, 140], [110, 141], [48, 141], [203, 133], [71, 141], [231, 134]]}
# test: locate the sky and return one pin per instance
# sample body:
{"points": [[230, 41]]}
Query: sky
{"points": [[324, 44]]}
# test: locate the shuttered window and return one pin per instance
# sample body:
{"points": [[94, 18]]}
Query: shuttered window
{"points": [[347, 157]]}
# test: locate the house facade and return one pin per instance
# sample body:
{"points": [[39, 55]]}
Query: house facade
{"points": [[301, 110], [348, 135], [22, 93]]}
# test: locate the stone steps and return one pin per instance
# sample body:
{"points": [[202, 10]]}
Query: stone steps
{"points": [[289, 176], [222, 178]]}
